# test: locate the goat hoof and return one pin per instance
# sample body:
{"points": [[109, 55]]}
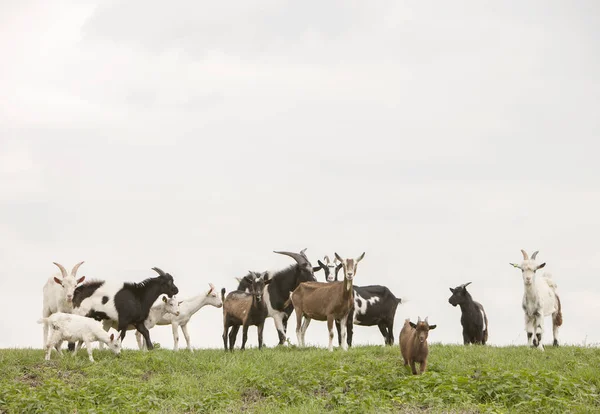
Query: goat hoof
{"points": [[555, 343]]}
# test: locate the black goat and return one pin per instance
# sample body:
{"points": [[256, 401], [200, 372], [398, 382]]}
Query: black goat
{"points": [[473, 319], [373, 305], [280, 285], [125, 303], [245, 309]]}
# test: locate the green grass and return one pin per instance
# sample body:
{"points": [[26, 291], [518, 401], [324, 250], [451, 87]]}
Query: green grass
{"points": [[292, 380]]}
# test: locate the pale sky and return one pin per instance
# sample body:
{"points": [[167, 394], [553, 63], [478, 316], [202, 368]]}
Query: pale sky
{"points": [[199, 136]]}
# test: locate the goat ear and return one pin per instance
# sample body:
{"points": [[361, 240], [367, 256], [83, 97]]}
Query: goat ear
{"points": [[540, 266], [164, 298], [321, 265], [179, 303], [239, 279], [57, 280], [432, 327], [451, 290], [112, 337], [515, 265], [81, 279], [414, 325]]}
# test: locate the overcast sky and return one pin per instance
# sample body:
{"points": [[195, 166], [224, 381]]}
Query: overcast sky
{"points": [[198, 137]]}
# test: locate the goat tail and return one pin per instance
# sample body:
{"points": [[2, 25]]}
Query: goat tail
{"points": [[287, 302], [485, 331], [42, 320], [557, 318], [222, 294]]}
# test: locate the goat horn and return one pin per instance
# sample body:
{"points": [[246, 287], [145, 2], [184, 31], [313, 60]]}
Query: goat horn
{"points": [[426, 319], [300, 258], [419, 320], [75, 268], [534, 254], [62, 269], [212, 287], [159, 271], [326, 258], [525, 255], [466, 284]]}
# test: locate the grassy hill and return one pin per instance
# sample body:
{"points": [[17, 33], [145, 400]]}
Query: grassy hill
{"points": [[291, 380]]}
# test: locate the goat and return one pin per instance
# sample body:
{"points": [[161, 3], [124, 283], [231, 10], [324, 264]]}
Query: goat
{"points": [[330, 268], [281, 284], [473, 319], [373, 305], [187, 308], [413, 344], [70, 327], [539, 299], [58, 294], [164, 306], [244, 309], [125, 303], [326, 301]]}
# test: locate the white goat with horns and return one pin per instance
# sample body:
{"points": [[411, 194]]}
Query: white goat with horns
{"points": [[58, 294], [539, 299]]}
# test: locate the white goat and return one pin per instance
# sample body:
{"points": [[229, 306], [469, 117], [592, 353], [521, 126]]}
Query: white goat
{"points": [[539, 299], [75, 328], [58, 293], [187, 308], [164, 306]]}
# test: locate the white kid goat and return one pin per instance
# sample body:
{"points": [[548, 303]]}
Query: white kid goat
{"points": [[58, 293], [539, 299], [75, 328], [187, 308]]}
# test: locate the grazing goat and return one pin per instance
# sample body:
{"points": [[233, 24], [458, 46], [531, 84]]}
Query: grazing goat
{"points": [[187, 308], [373, 305], [125, 303], [277, 292], [539, 299], [58, 294], [164, 306], [245, 309], [69, 327], [473, 319], [326, 302], [413, 344]]}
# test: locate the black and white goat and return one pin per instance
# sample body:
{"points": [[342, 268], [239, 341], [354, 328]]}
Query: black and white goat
{"points": [[373, 305], [473, 319], [281, 284], [244, 309], [125, 303]]}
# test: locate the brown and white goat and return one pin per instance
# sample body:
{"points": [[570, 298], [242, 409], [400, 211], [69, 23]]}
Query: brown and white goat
{"points": [[326, 302], [413, 344], [245, 309]]}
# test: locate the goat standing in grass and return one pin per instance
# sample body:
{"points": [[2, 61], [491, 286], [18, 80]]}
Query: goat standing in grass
{"points": [[281, 283], [125, 303], [473, 318], [75, 328], [326, 302], [373, 305], [539, 299], [58, 294], [187, 308], [413, 344], [244, 309]]}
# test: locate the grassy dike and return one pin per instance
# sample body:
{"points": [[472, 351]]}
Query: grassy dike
{"points": [[311, 380]]}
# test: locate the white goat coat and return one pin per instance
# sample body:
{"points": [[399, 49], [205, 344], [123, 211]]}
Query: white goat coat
{"points": [[540, 296], [54, 298]]}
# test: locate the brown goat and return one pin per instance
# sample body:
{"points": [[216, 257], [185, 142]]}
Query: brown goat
{"points": [[326, 302], [245, 309], [413, 343]]}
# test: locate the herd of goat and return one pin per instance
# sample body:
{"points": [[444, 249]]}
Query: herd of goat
{"points": [[83, 311]]}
